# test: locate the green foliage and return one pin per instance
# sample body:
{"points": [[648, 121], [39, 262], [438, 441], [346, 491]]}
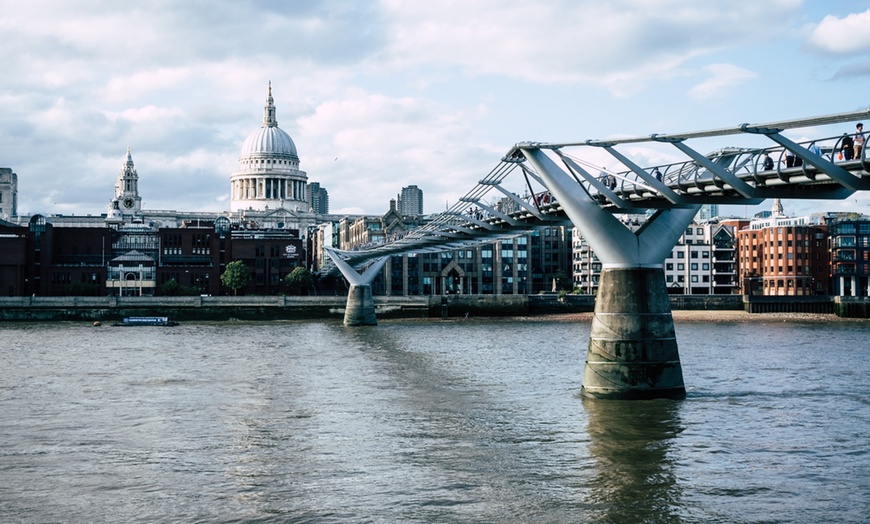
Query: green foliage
{"points": [[236, 276], [299, 280], [563, 281], [81, 289], [171, 288]]}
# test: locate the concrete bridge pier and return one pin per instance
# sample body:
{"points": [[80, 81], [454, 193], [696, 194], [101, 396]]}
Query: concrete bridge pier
{"points": [[360, 308], [632, 350]]}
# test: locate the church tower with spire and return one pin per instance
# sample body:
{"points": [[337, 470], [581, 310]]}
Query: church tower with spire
{"points": [[126, 200], [777, 210]]}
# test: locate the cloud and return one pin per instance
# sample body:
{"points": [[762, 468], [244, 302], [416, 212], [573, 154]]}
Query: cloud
{"points": [[367, 146], [721, 78], [857, 69], [401, 92], [615, 45], [842, 36]]}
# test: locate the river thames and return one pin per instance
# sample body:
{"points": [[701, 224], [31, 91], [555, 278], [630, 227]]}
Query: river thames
{"points": [[474, 421]]}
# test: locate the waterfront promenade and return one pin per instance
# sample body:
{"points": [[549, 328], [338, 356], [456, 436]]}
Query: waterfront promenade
{"points": [[709, 307]]}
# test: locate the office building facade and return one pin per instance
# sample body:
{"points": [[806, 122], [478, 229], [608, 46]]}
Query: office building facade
{"points": [[410, 201]]}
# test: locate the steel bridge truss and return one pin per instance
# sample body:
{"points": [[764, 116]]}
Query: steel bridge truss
{"points": [[731, 175]]}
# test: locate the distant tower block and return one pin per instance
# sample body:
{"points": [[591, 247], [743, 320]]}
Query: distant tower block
{"points": [[318, 198], [411, 201], [8, 192]]}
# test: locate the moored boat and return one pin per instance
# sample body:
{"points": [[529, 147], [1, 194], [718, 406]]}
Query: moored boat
{"points": [[146, 321]]}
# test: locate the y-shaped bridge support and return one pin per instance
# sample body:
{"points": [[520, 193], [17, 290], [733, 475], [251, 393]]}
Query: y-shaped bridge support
{"points": [[360, 308], [632, 346]]}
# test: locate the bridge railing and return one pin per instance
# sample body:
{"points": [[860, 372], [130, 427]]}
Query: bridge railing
{"points": [[689, 177], [512, 199]]}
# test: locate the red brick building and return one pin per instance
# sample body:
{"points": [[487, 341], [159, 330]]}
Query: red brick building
{"points": [[43, 259], [784, 256]]}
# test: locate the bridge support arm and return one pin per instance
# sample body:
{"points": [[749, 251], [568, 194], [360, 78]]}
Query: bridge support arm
{"points": [[519, 202], [595, 182], [613, 242], [745, 190], [845, 178], [360, 308], [658, 185], [607, 235], [632, 352], [498, 214]]}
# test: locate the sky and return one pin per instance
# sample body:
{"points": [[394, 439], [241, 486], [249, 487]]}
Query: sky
{"points": [[384, 94]]}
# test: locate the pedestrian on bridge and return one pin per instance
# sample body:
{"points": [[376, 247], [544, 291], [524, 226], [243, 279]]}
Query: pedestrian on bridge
{"points": [[847, 148], [767, 163], [859, 140], [789, 159]]}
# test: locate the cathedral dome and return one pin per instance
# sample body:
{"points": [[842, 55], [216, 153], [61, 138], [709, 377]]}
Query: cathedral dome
{"points": [[268, 177], [270, 140]]}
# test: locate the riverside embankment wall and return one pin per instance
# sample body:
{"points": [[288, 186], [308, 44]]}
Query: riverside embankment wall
{"points": [[289, 308], [284, 307]]}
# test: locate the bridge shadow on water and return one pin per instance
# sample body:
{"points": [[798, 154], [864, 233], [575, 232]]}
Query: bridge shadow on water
{"points": [[488, 450]]}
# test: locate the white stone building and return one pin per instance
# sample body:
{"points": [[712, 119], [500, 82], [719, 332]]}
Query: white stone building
{"points": [[702, 262], [268, 176]]}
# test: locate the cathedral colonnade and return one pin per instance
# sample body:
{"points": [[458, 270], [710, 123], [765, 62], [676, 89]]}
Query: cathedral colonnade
{"points": [[268, 175], [267, 188]]}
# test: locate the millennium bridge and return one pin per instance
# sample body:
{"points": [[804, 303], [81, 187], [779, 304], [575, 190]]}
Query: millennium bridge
{"points": [[632, 352]]}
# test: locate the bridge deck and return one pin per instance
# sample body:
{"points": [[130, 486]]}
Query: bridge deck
{"points": [[732, 175]]}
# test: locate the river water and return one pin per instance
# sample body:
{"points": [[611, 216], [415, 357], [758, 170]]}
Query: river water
{"points": [[427, 421]]}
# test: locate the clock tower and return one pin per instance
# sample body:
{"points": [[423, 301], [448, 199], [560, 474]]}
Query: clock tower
{"points": [[127, 200]]}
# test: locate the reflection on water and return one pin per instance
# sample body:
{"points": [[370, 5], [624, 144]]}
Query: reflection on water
{"points": [[426, 422], [631, 442]]}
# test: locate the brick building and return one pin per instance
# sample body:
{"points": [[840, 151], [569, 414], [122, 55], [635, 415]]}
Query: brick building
{"points": [[782, 255], [43, 259]]}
